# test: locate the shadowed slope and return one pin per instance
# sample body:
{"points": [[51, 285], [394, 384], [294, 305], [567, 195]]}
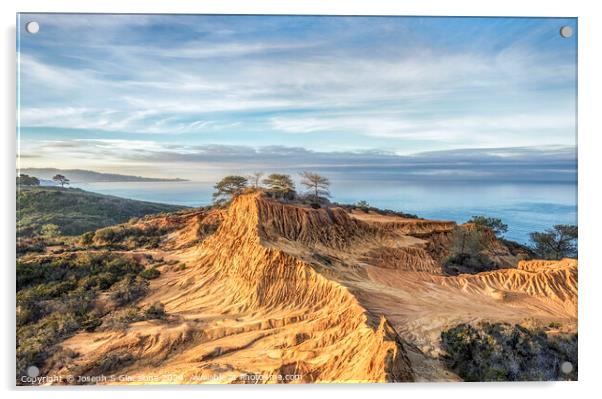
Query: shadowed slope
{"points": [[393, 267]]}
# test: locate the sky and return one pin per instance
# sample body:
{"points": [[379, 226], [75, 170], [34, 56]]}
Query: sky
{"points": [[199, 97]]}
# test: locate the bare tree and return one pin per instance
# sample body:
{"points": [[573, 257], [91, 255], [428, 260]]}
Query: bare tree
{"points": [[255, 178], [317, 184]]}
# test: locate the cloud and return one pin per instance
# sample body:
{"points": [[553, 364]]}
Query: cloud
{"points": [[204, 50], [378, 99], [426, 128], [141, 121], [401, 84], [553, 163]]}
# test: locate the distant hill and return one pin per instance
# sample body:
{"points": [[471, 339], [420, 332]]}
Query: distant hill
{"points": [[88, 176], [76, 211]]}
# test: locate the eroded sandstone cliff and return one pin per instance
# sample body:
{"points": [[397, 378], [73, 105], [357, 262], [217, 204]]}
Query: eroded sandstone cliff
{"points": [[324, 295]]}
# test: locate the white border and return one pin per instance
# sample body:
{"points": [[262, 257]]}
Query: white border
{"points": [[590, 329]]}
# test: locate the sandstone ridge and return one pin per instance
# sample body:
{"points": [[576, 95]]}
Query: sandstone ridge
{"points": [[323, 295]]}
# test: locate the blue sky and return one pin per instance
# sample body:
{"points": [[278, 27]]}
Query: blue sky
{"points": [[182, 95]]}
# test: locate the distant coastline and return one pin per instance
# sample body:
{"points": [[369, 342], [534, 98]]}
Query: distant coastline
{"points": [[88, 176]]}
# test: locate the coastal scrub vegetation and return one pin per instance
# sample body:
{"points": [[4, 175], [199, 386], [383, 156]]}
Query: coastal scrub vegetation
{"points": [[365, 207], [76, 211], [125, 236], [26, 180], [504, 352], [59, 296]]}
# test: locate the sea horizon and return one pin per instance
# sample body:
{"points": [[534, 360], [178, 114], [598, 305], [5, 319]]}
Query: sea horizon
{"points": [[524, 206]]}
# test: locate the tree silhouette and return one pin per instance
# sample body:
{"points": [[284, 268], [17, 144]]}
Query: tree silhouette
{"points": [[26, 180], [317, 184], [227, 188], [62, 180], [282, 186], [494, 224], [557, 243], [364, 205]]}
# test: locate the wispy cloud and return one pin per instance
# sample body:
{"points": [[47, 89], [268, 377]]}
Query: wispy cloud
{"points": [[148, 121], [237, 79], [481, 129], [200, 96]]}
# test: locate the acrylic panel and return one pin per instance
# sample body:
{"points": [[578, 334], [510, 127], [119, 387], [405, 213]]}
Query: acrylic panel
{"points": [[295, 199]]}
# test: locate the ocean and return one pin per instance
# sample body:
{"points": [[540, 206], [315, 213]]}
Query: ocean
{"points": [[524, 207]]}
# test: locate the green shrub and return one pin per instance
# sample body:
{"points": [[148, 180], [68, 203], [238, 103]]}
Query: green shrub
{"points": [[75, 268], [26, 245], [502, 352], [100, 281], [35, 342], [467, 252], [50, 230], [109, 235], [150, 273], [367, 208], [155, 311], [129, 290], [468, 264], [130, 237], [87, 238], [120, 319], [91, 324]]}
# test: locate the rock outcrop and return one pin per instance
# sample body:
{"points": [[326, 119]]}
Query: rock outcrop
{"points": [[245, 308], [554, 281]]}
